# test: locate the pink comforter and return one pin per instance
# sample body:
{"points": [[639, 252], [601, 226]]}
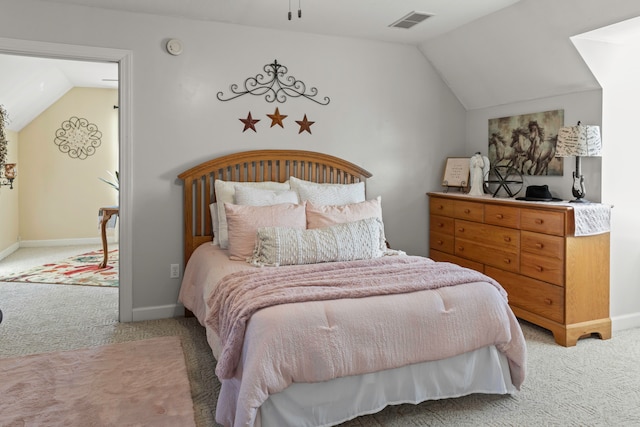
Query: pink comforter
{"points": [[357, 317]]}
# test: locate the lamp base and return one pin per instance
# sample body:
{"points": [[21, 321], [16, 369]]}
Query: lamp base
{"points": [[580, 201]]}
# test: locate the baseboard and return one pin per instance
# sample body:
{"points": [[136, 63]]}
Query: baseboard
{"points": [[158, 312], [11, 249], [626, 321], [63, 242]]}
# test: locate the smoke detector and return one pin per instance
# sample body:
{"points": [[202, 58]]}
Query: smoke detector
{"points": [[411, 19]]}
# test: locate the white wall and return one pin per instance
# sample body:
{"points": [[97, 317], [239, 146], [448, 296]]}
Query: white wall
{"points": [[617, 67], [389, 112]]}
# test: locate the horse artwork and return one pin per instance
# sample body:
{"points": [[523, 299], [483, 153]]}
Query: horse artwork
{"points": [[527, 142]]}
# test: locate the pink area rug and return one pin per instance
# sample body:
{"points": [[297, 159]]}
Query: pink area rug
{"points": [[137, 383], [76, 270]]}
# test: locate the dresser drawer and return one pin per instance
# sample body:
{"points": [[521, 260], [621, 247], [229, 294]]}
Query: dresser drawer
{"points": [[441, 224], [444, 257], [472, 211], [543, 268], [488, 235], [542, 244], [532, 295], [441, 242], [489, 255], [504, 216], [546, 222], [440, 206]]}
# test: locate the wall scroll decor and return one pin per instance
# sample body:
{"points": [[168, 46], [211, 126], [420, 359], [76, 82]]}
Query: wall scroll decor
{"points": [[274, 86], [78, 138], [527, 142]]}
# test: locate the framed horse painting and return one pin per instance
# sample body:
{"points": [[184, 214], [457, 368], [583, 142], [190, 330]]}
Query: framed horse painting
{"points": [[527, 142]]}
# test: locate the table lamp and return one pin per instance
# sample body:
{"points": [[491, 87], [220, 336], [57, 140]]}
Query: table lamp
{"points": [[579, 141]]}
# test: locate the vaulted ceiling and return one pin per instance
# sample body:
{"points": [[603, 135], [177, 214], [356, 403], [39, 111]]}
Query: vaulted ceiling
{"points": [[489, 52]]}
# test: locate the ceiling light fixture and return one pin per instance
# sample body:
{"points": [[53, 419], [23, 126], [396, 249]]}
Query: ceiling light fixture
{"points": [[299, 10]]}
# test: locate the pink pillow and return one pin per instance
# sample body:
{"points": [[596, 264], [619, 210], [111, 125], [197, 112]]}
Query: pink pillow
{"points": [[243, 222], [328, 215]]}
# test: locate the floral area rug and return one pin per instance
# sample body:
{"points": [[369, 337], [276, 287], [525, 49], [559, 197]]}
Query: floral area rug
{"points": [[81, 269]]}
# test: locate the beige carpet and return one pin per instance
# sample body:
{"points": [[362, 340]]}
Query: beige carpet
{"points": [[137, 383], [596, 383]]}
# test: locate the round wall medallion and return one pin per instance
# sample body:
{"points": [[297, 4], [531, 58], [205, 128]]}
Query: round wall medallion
{"points": [[78, 138]]}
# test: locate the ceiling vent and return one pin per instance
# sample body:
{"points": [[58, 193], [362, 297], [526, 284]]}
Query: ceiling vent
{"points": [[410, 20]]}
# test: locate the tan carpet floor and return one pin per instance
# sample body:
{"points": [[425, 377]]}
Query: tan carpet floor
{"points": [[596, 383]]}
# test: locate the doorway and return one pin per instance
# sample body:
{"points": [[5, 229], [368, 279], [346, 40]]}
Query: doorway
{"points": [[123, 60]]}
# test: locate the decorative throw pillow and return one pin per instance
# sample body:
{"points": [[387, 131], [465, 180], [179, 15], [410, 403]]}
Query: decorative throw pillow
{"points": [[262, 197], [343, 242], [328, 194], [244, 221], [225, 192], [327, 215]]}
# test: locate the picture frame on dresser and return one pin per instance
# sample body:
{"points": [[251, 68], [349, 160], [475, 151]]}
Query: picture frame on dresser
{"points": [[456, 172]]}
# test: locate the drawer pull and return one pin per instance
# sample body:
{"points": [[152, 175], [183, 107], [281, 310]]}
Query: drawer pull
{"points": [[539, 245], [440, 225], [539, 221], [467, 211], [507, 239], [507, 261], [548, 301], [460, 248], [461, 229], [440, 242], [539, 268], [440, 207], [499, 216]]}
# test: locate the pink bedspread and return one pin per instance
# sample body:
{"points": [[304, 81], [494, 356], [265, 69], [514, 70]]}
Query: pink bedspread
{"points": [[392, 312]]}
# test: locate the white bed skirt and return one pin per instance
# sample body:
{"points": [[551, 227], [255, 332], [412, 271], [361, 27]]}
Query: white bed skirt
{"points": [[485, 370]]}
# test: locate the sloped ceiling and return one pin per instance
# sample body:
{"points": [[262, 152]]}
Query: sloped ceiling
{"points": [[523, 52], [30, 85]]}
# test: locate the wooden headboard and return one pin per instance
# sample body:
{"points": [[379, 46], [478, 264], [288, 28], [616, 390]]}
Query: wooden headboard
{"points": [[253, 166]]}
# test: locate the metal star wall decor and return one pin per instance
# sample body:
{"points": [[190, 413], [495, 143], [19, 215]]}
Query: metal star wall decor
{"points": [[249, 123], [305, 125], [274, 86], [277, 118]]}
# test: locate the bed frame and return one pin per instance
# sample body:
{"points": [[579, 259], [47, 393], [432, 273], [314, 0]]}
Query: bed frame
{"points": [[254, 166]]}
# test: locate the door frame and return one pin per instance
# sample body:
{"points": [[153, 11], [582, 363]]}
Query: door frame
{"points": [[125, 71]]}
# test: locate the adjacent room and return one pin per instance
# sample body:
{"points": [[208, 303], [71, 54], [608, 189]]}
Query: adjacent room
{"points": [[256, 146]]}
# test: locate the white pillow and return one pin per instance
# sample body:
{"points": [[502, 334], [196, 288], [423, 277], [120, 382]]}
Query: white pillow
{"points": [[215, 223], [225, 191], [328, 194], [261, 197], [343, 242]]}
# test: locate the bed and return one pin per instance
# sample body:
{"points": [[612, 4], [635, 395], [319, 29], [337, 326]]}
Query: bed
{"points": [[312, 319]]}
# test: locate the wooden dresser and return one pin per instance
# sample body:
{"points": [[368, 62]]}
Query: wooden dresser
{"points": [[554, 279]]}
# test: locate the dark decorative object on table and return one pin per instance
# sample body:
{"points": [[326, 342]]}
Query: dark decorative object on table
{"points": [[503, 181], [538, 193]]}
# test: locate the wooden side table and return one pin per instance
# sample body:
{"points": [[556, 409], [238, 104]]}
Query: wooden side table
{"points": [[105, 214]]}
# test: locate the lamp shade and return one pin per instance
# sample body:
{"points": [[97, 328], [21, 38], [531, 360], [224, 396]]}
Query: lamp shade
{"points": [[580, 140]]}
